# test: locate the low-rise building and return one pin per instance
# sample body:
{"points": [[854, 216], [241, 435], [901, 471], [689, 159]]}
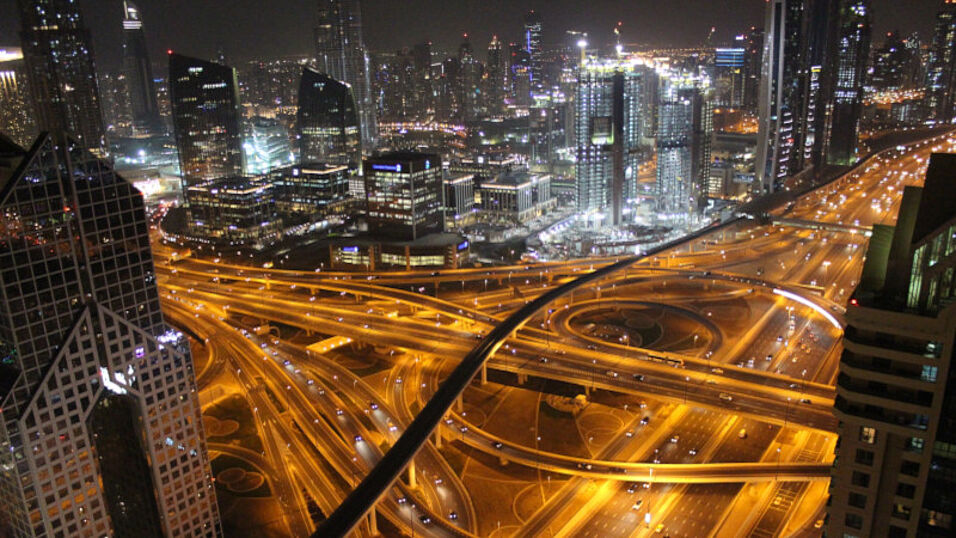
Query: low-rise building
{"points": [[518, 196], [234, 211]]}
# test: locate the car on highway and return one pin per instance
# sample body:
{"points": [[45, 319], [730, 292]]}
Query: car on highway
{"points": [[693, 451], [611, 373], [453, 515], [629, 433], [358, 439], [742, 433], [639, 377], [339, 412], [675, 438], [645, 420], [632, 487], [717, 371], [425, 520], [659, 528], [496, 444], [401, 500], [463, 429], [805, 401], [438, 481], [543, 360], [373, 406], [637, 504], [725, 397]]}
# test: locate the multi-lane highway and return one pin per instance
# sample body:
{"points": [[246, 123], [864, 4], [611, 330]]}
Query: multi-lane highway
{"points": [[749, 385]]}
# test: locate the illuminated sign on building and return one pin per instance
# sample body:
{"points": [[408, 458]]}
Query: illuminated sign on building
{"points": [[387, 167]]}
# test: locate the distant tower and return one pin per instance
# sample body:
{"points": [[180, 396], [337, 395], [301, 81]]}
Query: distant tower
{"points": [[849, 63], [101, 424], [205, 102], [470, 75], [139, 73], [58, 53], [532, 44], [941, 69], [495, 79], [342, 55]]}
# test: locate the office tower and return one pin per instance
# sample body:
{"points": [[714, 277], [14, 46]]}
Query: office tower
{"points": [[941, 67], [266, 145], [102, 431], [896, 391], [328, 121], [342, 55], [205, 103], [139, 73], [729, 76], [752, 43], [470, 71], [422, 58], [235, 211], [313, 190], [16, 113], [404, 193], [848, 66], [532, 45], [495, 78], [58, 53], [782, 98], [685, 126], [607, 136]]}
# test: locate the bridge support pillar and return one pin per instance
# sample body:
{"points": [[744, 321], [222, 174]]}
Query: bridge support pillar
{"points": [[502, 461], [372, 522], [484, 374], [459, 404], [522, 379], [587, 391], [412, 482], [438, 437]]}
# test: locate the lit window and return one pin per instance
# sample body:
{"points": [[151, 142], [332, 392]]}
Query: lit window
{"points": [[868, 435]]}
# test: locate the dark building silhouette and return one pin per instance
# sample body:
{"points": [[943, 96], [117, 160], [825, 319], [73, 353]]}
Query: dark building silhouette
{"points": [[342, 55], [101, 424], [58, 53], [328, 122], [139, 73], [205, 103]]}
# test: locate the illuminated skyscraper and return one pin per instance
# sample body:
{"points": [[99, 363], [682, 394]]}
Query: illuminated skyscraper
{"points": [[470, 71], [139, 73], [729, 76], [532, 44], [941, 68], [782, 99], [685, 125], [58, 53], [607, 129], [405, 195], [328, 123], [102, 433], [16, 114], [205, 102], [848, 68], [342, 55]]}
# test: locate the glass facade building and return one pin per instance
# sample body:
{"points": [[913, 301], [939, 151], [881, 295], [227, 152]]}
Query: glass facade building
{"points": [[101, 425], [404, 195], [328, 122], [205, 102]]}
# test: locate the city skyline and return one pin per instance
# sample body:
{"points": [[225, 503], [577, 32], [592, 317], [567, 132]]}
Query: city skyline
{"points": [[287, 28]]}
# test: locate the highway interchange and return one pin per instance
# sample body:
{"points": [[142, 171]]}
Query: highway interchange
{"points": [[727, 344]]}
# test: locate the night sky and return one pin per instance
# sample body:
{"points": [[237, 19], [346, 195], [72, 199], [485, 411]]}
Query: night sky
{"points": [[267, 28]]}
